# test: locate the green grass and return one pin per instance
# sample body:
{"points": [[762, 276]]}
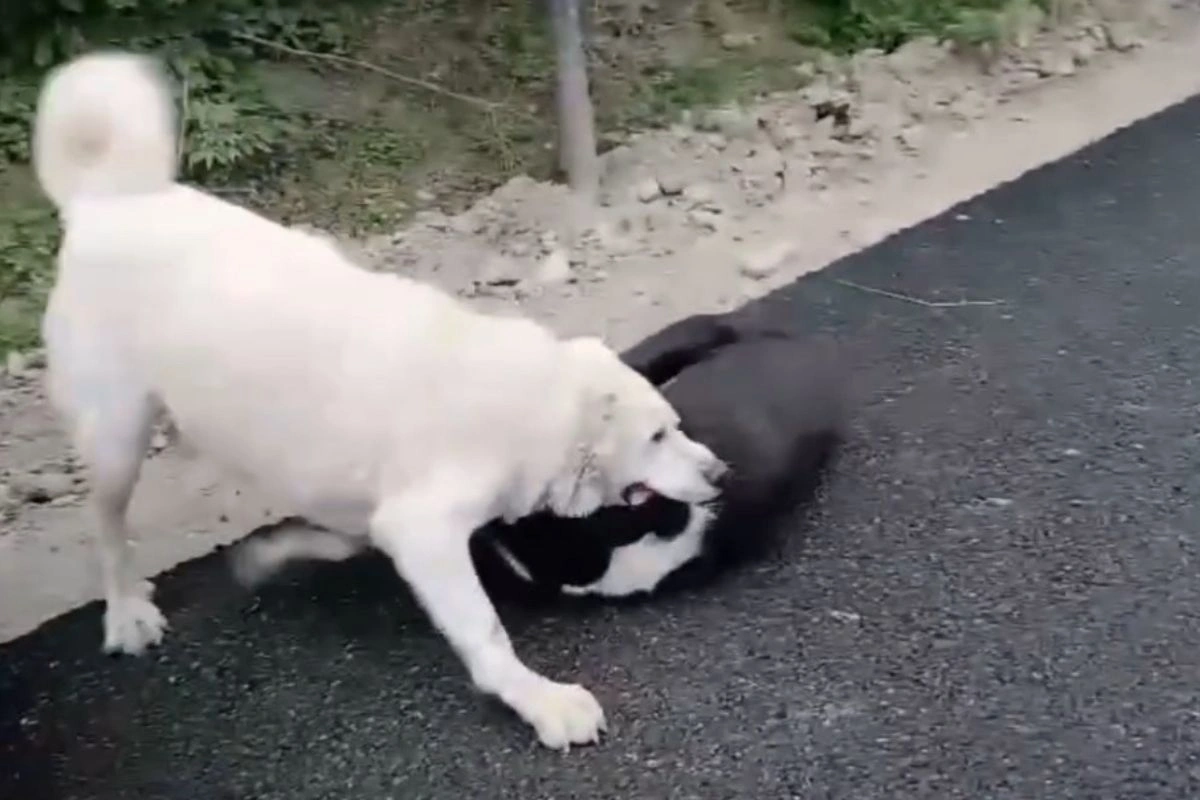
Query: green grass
{"points": [[847, 25]]}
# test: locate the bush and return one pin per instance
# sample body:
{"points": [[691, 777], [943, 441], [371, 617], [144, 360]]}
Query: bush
{"points": [[856, 24], [228, 126]]}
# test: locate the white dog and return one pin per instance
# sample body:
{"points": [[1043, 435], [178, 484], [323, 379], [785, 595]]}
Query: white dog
{"points": [[371, 404]]}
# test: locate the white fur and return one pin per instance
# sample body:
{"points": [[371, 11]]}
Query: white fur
{"points": [[371, 404]]}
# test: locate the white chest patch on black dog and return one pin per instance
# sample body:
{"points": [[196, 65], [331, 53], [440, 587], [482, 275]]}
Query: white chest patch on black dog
{"points": [[633, 568]]}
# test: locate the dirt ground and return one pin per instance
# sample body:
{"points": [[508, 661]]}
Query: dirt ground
{"points": [[722, 207]]}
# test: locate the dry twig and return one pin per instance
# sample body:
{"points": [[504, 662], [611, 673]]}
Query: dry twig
{"points": [[917, 300], [428, 86]]}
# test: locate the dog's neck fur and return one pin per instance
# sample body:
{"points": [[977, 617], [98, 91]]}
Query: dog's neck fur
{"points": [[578, 485], [580, 489]]}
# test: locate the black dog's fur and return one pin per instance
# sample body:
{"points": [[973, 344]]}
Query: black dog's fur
{"points": [[770, 405]]}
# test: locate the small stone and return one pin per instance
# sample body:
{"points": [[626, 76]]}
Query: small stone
{"points": [[705, 219], [15, 363], [845, 616], [805, 71], [1082, 51], [826, 98], [1056, 63], [41, 487], [699, 194], [500, 271], [647, 190], [921, 54], [764, 262], [425, 196], [731, 121], [828, 63], [911, 138], [159, 441], [671, 183], [858, 127], [682, 132], [554, 268], [1121, 36], [738, 40], [549, 240]]}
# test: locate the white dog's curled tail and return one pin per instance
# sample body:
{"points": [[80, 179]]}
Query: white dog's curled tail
{"points": [[105, 124]]}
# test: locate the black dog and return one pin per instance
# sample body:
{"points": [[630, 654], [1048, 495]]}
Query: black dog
{"points": [[769, 405]]}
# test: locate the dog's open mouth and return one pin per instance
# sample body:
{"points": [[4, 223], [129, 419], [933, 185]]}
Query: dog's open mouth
{"points": [[636, 493]]}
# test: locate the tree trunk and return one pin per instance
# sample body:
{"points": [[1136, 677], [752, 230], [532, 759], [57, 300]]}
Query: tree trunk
{"points": [[576, 126]]}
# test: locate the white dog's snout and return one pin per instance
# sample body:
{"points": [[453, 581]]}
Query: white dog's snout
{"points": [[717, 472]]}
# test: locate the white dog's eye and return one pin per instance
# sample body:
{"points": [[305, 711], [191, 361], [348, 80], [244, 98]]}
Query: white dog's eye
{"points": [[659, 435]]}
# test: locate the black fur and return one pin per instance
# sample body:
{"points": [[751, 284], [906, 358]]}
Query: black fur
{"points": [[768, 404]]}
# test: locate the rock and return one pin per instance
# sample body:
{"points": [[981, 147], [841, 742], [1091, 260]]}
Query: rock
{"points": [[554, 268], [500, 270], [1121, 36], [159, 441], [682, 132], [734, 122], [805, 71], [647, 190], [41, 487], [671, 183], [1082, 51], [425, 196], [763, 262], [1056, 63], [911, 138], [828, 63], [826, 98], [738, 40], [704, 218], [920, 55], [699, 194], [858, 126], [15, 363]]}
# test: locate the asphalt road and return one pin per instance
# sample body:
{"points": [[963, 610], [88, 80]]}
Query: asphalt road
{"points": [[998, 598]]}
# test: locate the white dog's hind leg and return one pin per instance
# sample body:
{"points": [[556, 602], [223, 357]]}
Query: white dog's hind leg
{"points": [[112, 438], [257, 559], [426, 534]]}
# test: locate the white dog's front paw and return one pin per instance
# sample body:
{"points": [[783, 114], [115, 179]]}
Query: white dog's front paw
{"points": [[132, 622], [563, 714]]}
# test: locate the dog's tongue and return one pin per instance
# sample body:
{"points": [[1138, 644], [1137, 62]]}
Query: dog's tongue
{"points": [[637, 494]]}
